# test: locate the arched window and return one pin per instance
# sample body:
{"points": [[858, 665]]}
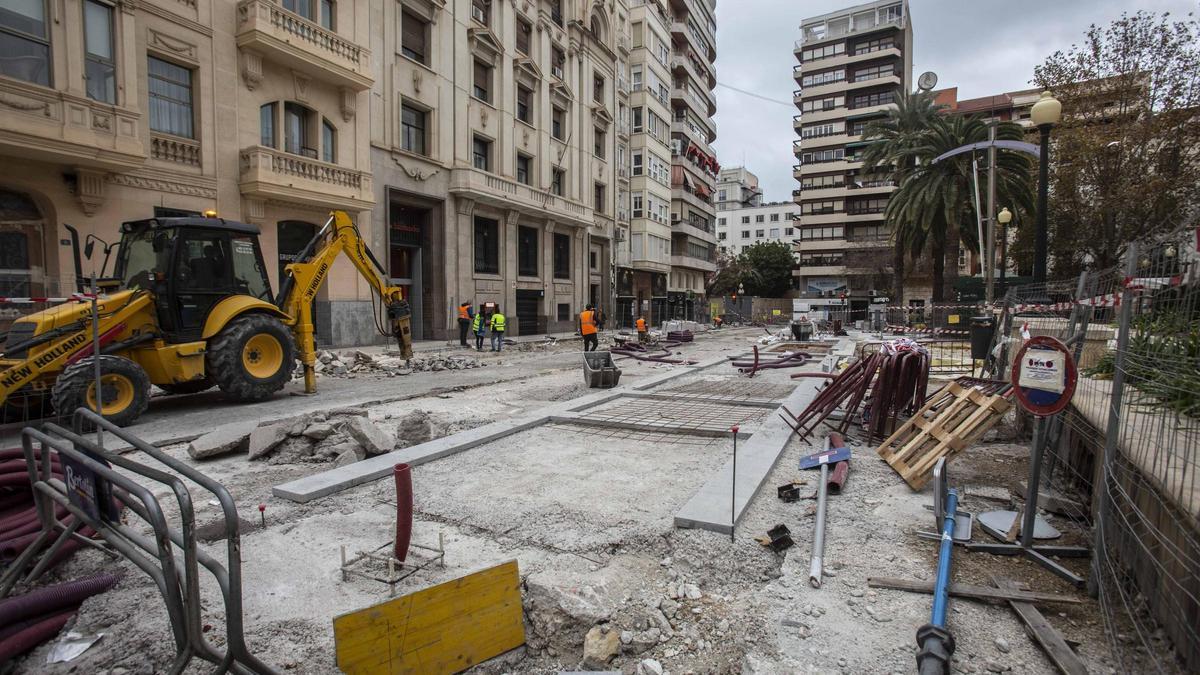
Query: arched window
{"points": [[298, 130], [597, 28]]}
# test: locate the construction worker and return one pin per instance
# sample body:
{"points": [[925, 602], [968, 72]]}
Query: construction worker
{"points": [[587, 328], [497, 325], [465, 314], [643, 337], [479, 328], [717, 321]]}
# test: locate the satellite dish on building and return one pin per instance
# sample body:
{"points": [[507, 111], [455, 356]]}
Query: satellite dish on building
{"points": [[927, 81]]}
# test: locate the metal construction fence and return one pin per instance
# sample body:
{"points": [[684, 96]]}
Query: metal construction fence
{"points": [[1128, 447]]}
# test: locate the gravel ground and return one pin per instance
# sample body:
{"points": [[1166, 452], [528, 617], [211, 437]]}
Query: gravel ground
{"points": [[588, 517]]}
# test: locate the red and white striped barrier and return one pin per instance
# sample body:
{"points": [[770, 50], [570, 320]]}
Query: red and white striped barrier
{"points": [[74, 297], [927, 331]]}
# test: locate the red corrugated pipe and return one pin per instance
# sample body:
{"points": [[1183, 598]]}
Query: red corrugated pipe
{"points": [[51, 598], [34, 635], [402, 473]]}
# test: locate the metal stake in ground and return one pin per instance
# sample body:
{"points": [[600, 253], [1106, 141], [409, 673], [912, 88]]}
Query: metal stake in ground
{"points": [[96, 357], [823, 459], [733, 487], [936, 643]]}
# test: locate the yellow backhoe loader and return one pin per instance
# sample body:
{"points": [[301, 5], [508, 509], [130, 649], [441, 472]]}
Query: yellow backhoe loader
{"points": [[190, 307]]}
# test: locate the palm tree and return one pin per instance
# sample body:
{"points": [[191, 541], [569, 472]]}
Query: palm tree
{"points": [[896, 136], [934, 204]]}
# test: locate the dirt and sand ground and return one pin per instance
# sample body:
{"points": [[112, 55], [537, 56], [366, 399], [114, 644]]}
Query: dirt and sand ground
{"points": [[587, 513]]}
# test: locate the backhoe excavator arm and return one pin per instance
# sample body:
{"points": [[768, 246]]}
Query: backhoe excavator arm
{"points": [[304, 277]]}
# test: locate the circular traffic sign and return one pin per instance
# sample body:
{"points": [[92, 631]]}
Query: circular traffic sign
{"points": [[1044, 375]]}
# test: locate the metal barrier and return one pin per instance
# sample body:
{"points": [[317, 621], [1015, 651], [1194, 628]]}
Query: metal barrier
{"points": [[89, 498]]}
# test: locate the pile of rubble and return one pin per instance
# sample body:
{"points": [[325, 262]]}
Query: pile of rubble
{"points": [[341, 436], [389, 364]]}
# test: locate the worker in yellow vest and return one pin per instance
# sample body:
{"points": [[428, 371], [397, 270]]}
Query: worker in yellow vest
{"points": [[587, 328], [465, 315], [497, 324], [479, 328], [643, 337]]}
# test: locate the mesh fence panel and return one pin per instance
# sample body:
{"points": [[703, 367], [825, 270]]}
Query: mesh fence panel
{"points": [[1128, 446]]}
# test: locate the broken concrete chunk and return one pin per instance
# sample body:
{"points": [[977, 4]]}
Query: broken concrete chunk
{"points": [[227, 439], [649, 667], [415, 428], [343, 412], [264, 439], [373, 439], [600, 647], [319, 431], [349, 456]]}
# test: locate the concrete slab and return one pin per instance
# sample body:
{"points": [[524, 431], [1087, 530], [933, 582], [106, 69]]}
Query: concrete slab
{"points": [[710, 508], [342, 478]]}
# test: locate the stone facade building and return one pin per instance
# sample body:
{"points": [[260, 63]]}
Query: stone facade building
{"points": [[116, 111]]}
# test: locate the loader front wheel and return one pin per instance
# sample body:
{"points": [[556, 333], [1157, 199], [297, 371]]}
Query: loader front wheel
{"points": [[124, 389], [252, 358]]}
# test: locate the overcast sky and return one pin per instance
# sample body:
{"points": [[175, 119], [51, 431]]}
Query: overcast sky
{"points": [[982, 48]]}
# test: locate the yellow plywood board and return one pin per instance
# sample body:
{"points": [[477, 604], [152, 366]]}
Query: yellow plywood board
{"points": [[443, 629]]}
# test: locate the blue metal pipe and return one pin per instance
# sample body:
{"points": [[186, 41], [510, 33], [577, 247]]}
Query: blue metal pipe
{"points": [[941, 591]]}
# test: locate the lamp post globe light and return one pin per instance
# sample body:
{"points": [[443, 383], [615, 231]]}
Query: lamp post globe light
{"points": [[1004, 218], [1045, 114]]}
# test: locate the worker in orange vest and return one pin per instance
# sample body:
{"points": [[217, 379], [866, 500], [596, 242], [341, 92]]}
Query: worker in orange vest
{"points": [[641, 329], [587, 328], [465, 314]]}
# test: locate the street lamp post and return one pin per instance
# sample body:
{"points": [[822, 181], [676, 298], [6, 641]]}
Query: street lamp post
{"points": [[1045, 114], [1004, 218]]}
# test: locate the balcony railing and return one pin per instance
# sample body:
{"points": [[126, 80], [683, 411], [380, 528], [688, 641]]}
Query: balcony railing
{"points": [[272, 173], [172, 149], [504, 192], [303, 45]]}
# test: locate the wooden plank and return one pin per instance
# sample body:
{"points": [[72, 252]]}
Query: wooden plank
{"points": [[442, 629], [1057, 650], [970, 591]]}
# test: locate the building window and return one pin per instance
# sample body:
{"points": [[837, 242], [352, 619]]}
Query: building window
{"points": [[638, 125], [774, 232], [296, 136], [558, 122], [720, 221], [562, 256], [556, 13], [745, 234], [318, 11], [328, 142], [774, 217], [266, 125], [414, 37], [758, 218], [99, 67], [556, 183], [600, 203], [487, 246], [481, 11], [638, 210], [789, 231], [558, 61], [524, 105], [523, 171], [637, 163], [745, 219], [482, 88], [170, 89], [597, 30], [524, 34], [721, 236], [527, 251], [598, 89], [481, 154], [412, 129], [593, 260], [759, 234], [564, 311], [25, 41], [598, 142]]}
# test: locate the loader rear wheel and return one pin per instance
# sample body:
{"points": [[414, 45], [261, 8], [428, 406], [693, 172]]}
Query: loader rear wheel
{"points": [[124, 388], [191, 387], [252, 358]]}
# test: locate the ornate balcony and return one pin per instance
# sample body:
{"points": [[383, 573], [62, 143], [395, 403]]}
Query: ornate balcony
{"points": [[55, 126], [265, 28], [502, 192], [272, 174], [183, 151]]}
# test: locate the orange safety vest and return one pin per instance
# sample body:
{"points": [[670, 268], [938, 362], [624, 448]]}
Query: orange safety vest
{"points": [[587, 322], [641, 325], [462, 312]]}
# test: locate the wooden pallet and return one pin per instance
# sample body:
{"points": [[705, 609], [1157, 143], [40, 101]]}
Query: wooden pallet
{"points": [[940, 430]]}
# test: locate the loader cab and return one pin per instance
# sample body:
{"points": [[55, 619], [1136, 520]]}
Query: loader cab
{"points": [[191, 264]]}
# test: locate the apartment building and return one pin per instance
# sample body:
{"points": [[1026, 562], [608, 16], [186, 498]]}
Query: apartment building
{"points": [[117, 110], [737, 188], [673, 168], [741, 228], [495, 145], [852, 65]]}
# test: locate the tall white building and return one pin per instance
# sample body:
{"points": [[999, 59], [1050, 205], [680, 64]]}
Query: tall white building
{"points": [[737, 188], [740, 228], [853, 64]]}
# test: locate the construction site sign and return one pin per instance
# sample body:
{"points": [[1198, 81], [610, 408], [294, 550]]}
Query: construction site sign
{"points": [[1045, 374], [442, 629]]}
